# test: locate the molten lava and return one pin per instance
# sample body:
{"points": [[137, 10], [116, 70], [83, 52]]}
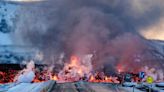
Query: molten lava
{"points": [[55, 78], [100, 77], [7, 76], [78, 68]]}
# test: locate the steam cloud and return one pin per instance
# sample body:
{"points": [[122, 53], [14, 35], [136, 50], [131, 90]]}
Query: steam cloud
{"points": [[109, 29]]}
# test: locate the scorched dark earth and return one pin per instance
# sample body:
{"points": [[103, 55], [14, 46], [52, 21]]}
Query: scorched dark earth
{"points": [[81, 46]]}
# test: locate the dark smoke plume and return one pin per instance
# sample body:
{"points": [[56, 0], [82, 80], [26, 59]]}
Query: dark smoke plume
{"points": [[107, 28]]}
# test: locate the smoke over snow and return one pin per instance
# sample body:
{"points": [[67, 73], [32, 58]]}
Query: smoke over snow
{"points": [[108, 29]]}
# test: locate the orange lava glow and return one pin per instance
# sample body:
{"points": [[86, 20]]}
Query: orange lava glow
{"points": [[74, 61], [102, 78], [7, 76], [76, 70], [55, 78]]}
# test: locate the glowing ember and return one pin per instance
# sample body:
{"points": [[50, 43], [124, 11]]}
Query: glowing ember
{"points": [[7, 76], [54, 78], [100, 77], [79, 68]]}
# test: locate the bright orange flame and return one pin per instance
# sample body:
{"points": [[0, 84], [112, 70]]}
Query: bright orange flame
{"points": [[106, 78], [55, 78], [74, 61], [92, 78], [98, 78], [74, 71], [36, 80]]}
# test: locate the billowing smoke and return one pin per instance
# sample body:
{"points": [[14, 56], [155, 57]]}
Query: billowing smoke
{"points": [[108, 29]]}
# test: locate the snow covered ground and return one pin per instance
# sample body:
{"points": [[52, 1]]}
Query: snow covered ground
{"points": [[27, 87]]}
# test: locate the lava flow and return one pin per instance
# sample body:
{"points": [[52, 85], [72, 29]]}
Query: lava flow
{"points": [[78, 69]]}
